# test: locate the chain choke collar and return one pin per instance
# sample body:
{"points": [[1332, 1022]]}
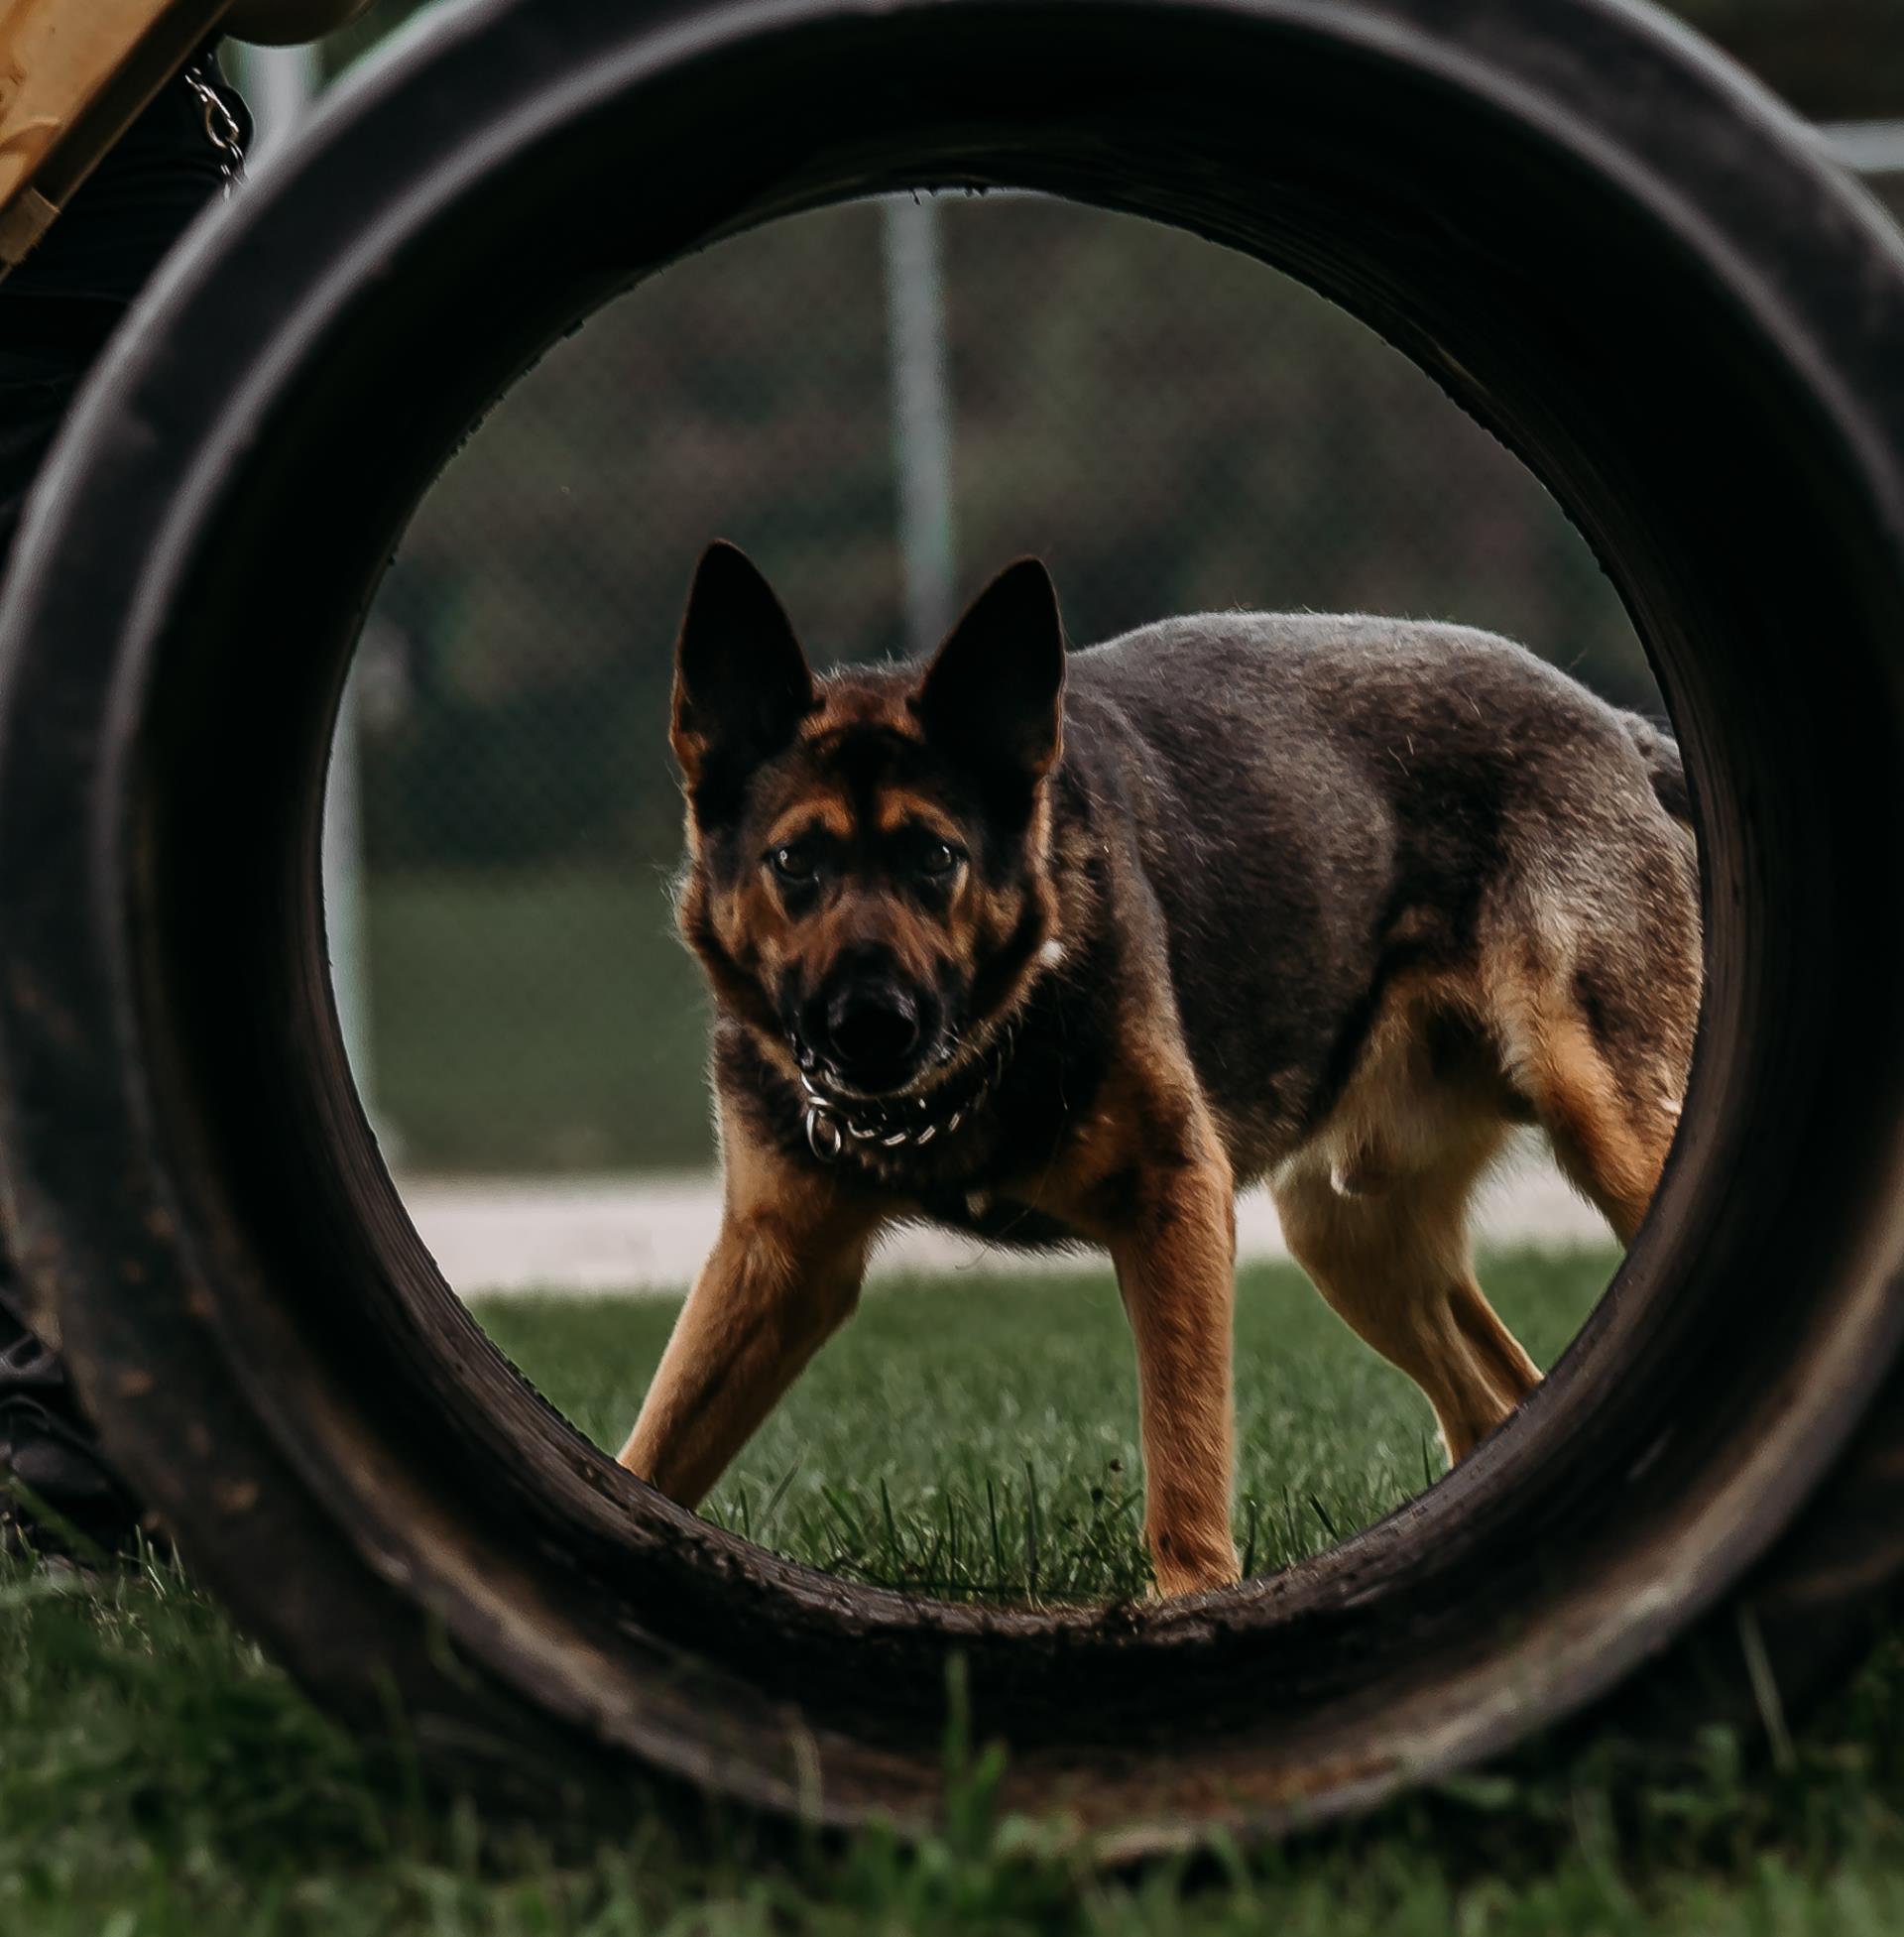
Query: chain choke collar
{"points": [[841, 1127]]}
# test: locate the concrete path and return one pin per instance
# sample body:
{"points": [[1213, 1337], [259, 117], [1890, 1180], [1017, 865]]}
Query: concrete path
{"points": [[651, 1233]]}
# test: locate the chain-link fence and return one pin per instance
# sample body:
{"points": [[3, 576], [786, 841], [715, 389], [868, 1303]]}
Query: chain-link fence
{"points": [[1171, 427]]}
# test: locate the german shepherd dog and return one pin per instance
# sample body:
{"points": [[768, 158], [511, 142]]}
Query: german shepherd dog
{"points": [[1068, 948]]}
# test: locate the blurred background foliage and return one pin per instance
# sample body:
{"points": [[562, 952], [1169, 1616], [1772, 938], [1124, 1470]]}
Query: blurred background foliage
{"points": [[1171, 427]]}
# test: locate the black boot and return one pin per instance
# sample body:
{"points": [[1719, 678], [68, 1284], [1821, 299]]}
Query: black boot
{"points": [[56, 1493]]}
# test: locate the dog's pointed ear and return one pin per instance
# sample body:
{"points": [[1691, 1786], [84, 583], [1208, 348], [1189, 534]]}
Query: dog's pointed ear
{"points": [[992, 697], [742, 684]]}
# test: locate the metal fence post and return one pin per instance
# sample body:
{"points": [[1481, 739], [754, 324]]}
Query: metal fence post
{"points": [[279, 84], [921, 414]]}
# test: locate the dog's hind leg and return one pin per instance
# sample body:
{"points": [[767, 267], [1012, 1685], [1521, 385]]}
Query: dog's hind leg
{"points": [[782, 1276], [1590, 979], [1609, 1136], [1603, 1080], [1394, 1263]]}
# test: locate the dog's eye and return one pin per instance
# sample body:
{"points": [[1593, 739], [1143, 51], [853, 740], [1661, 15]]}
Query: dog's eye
{"points": [[938, 859], [792, 863]]}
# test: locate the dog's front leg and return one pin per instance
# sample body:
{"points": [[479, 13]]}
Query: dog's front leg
{"points": [[780, 1281], [1175, 1259]]}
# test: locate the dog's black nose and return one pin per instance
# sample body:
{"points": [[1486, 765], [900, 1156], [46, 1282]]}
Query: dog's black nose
{"points": [[872, 1026]]}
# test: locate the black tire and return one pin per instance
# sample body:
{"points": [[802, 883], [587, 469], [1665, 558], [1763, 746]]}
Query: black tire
{"points": [[1608, 245]]}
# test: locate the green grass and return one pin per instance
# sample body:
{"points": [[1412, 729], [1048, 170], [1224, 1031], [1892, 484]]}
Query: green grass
{"points": [[534, 1022], [156, 1776], [977, 1436]]}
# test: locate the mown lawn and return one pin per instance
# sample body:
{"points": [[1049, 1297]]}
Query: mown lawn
{"points": [[977, 1436], [534, 1022], [157, 1775]]}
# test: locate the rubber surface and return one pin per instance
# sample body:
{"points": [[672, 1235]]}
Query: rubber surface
{"points": [[1605, 242]]}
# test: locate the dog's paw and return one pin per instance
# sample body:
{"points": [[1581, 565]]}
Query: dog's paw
{"points": [[1178, 1568]]}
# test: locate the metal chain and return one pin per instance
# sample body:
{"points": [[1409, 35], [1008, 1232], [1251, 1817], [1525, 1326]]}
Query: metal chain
{"points": [[221, 130], [832, 1128]]}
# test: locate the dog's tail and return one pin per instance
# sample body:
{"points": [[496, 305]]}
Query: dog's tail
{"points": [[1660, 752]]}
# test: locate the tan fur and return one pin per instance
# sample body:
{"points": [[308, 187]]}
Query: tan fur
{"points": [[1611, 1138], [784, 1275], [1148, 1178], [1374, 1205], [829, 813], [899, 807]]}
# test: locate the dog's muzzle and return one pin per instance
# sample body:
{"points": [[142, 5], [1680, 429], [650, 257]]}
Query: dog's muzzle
{"points": [[872, 1027], [867, 1032]]}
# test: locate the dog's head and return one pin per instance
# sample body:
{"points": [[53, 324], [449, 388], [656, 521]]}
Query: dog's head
{"points": [[868, 880]]}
